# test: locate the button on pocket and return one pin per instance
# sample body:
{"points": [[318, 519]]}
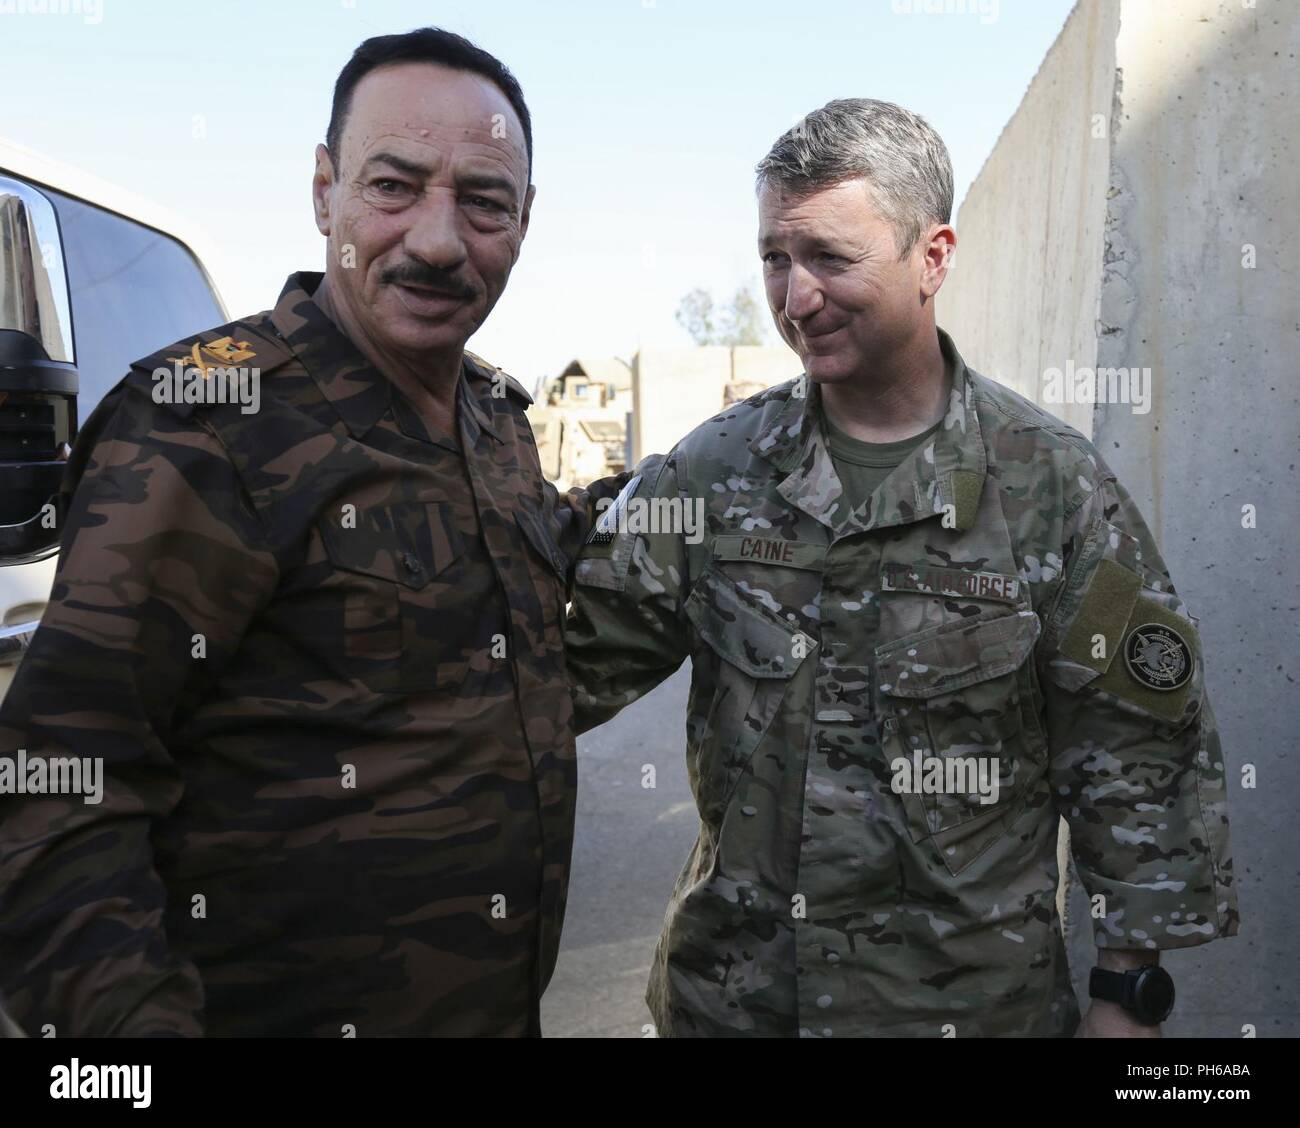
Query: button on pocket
{"points": [[952, 702]]}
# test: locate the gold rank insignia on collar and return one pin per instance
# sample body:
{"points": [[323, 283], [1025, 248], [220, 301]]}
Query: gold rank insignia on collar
{"points": [[225, 350]]}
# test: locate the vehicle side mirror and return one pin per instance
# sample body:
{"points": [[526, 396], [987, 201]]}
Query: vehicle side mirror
{"points": [[38, 373]]}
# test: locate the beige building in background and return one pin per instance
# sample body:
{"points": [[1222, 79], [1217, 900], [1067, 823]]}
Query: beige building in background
{"points": [[675, 390], [599, 416], [580, 420]]}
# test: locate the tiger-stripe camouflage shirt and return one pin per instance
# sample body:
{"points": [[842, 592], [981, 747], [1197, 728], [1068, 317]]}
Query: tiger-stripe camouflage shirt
{"points": [[316, 650]]}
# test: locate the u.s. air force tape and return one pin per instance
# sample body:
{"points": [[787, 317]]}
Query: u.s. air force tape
{"points": [[932, 580]]}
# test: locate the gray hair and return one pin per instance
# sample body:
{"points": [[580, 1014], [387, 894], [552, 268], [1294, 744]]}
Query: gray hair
{"points": [[902, 159]]}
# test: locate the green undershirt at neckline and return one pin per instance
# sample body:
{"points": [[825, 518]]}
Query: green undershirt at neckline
{"points": [[846, 448], [863, 467]]}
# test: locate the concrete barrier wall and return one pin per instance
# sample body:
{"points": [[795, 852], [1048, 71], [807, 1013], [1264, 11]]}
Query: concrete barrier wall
{"points": [[1022, 296], [1161, 245], [1203, 182]]}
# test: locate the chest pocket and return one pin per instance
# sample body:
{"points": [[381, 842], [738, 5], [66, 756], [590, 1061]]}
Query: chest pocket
{"points": [[406, 623], [741, 671], [960, 729]]}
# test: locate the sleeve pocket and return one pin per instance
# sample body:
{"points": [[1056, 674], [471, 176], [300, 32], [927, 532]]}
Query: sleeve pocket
{"points": [[748, 637], [738, 684]]}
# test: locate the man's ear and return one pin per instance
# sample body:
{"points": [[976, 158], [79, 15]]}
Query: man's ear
{"points": [[526, 212], [938, 249], [322, 182]]}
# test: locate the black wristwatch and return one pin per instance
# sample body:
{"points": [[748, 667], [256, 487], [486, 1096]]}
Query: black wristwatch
{"points": [[1147, 993]]}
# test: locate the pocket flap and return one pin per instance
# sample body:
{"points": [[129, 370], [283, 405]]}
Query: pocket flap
{"points": [[948, 658], [533, 524], [407, 543], [751, 638]]}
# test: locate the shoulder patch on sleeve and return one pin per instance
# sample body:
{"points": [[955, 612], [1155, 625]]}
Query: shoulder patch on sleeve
{"points": [[613, 540], [1155, 669], [1122, 624], [604, 530]]}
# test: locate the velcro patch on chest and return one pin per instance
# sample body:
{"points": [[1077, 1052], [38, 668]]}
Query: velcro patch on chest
{"points": [[770, 550], [929, 579]]}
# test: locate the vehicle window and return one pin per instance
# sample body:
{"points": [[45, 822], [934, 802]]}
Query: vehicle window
{"points": [[134, 290]]}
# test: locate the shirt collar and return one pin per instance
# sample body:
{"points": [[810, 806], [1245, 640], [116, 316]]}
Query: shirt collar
{"points": [[947, 471], [476, 394], [359, 392]]}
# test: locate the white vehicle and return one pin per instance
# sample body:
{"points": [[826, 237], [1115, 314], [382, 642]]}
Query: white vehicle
{"points": [[91, 278]]}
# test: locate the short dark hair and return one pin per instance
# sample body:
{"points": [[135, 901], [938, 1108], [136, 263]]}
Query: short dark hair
{"points": [[424, 45]]}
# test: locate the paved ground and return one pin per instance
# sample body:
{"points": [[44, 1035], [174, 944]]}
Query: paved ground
{"points": [[631, 843]]}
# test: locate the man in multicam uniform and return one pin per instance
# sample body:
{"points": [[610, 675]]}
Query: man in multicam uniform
{"points": [[907, 569], [318, 646]]}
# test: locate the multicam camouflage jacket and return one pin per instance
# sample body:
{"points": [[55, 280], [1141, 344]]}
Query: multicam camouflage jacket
{"points": [[317, 649], [890, 707]]}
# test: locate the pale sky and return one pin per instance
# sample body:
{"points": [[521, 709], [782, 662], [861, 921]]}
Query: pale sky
{"points": [[648, 119]]}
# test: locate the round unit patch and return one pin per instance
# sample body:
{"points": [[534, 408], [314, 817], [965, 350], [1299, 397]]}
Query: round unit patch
{"points": [[1158, 656]]}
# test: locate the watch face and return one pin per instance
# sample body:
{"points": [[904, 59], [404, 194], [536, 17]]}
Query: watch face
{"points": [[1155, 994]]}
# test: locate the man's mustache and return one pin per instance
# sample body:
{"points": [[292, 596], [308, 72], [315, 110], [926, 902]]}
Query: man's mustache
{"points": [[429, 278]]}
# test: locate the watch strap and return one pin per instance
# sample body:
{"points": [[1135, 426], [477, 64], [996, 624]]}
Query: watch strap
{"points": [[1110, 986]]}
